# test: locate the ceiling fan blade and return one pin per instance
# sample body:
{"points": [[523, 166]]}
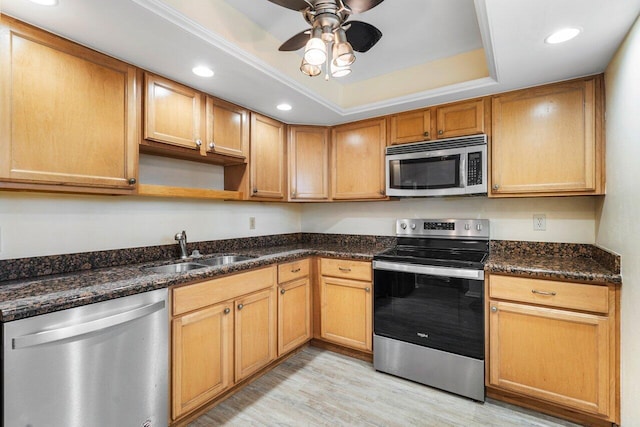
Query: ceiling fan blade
{"points": [[291, 4], [362, 36], [296, 42], [359, 6]]}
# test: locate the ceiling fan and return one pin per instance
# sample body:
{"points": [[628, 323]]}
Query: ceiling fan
{"points": [[331, 38]]}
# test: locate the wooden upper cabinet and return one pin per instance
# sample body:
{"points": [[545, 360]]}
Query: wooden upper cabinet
{"points": [[172, 113], [412, 126], [308, 163], [358, 160], [546, 140], [69, 114], [460, 119], [267, 177], [227, 129]]}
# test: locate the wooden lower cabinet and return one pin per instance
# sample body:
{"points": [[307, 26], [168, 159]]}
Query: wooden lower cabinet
{"points": [[346, 305], [255, 332], [294, 314], [202, 364], [561, 356]]}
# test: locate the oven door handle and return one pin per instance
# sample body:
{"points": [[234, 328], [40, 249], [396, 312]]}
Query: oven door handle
{"points": [[460, 273]]}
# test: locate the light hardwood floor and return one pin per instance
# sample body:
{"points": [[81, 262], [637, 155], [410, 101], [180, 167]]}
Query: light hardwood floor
{"points": [[319, 388]]}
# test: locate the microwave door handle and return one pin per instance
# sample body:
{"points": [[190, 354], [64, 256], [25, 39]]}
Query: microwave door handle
{"points": [[463, 169]]}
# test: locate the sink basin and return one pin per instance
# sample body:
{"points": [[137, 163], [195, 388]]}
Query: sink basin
{"points": [[224, 259], [180, 267]]}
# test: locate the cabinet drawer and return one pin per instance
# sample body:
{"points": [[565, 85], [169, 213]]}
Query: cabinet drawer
{"points": [[358, 270], [293, 270], [550, 293], [192, 297]]}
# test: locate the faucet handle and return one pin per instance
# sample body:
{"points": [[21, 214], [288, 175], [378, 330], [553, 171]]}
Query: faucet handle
{"points": [[181, 236]]}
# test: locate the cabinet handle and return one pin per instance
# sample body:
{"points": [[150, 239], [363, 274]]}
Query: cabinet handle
{"points": [[495, 186], [240, 306], [494, 309], [198, 142], [293, 194], [227, 310], [132, 181], [535, 291], [212, 145], [426, 134], [296, 270], [381, 192], [282, 291], [440, 132], [255, 190], [346, 270], [367, 289]]}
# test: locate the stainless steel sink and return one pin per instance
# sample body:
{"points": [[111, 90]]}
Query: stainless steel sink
{"points": [[224, 259], [180, 267]]}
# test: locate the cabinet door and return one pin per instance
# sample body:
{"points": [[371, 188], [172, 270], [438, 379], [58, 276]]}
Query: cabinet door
{"points": [[460, 119], [172, 113], [255, 332], [555, 355], [358, 160], [202, 364], [309, 163], [544, 140], [346, 317], [267, 158], [413, 126], [294, 314], [69, 112], [227, 129]]}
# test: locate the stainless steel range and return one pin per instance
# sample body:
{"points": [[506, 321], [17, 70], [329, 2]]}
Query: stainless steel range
{"points": [[429, 304]]}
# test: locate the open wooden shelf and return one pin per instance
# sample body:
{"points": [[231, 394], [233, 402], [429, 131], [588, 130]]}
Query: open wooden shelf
{"points": [[190, 193]]}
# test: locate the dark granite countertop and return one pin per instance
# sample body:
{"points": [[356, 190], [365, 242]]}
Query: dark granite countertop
{"points": [[30, 297], [33, 286]]}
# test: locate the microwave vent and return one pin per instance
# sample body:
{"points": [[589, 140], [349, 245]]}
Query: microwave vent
{"points": [[442, 144]]}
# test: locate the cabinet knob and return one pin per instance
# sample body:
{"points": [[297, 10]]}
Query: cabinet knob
{"points": [[495, 186], [227, 310], [240, 306], [293, 194], [255, 190], [282, 291], [132, 181], [198, 142], [426, 134], [494, 309], [367, 289], [381, 192], [212, 145], [440, 132]]}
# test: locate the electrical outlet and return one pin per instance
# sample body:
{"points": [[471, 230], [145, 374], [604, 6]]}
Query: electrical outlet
{"points": [[539, 222], [252, 223]]}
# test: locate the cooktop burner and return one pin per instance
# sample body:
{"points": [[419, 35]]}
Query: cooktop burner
{"points": [[443, 242]]}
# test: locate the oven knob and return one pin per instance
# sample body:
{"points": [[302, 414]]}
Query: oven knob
{"points": [[467, 227], [413, 226], [403, 226], [479, 227]]}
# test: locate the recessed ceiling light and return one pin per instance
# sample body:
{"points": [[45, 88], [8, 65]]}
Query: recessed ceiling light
{"points": [[284, 107], [45, 2], [202, 71], [562, 35]]}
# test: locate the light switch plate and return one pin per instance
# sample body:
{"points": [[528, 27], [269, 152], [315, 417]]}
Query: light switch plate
{"points": [[252, 223]]}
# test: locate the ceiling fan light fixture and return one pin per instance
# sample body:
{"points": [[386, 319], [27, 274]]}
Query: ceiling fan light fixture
{"points": [[342, 51], [315, 52], [340, 70], [310, 69]]}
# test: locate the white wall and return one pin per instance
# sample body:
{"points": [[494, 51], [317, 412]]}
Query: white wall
{"points": [[569, 219], [618, 227], [33, 224]]}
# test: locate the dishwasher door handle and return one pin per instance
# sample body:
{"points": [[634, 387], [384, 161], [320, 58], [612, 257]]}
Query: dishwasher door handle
{"points": [[59, 334]]}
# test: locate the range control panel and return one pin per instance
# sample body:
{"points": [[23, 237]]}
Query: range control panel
{"points": [[458, 228]]}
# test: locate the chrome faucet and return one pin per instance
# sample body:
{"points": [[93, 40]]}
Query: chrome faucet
{"points": [[182, 241]]}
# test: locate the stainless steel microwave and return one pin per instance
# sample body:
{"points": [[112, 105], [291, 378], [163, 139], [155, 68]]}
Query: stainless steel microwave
{"points": [[447, 167]]}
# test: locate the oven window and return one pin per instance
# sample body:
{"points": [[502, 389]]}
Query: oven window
{"points": [[438, 312], [426, 173]]}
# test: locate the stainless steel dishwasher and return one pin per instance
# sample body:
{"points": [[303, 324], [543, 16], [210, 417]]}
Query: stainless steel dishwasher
{"points": [[103, 364]]}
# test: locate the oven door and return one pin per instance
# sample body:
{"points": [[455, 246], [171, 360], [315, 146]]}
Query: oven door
{"points": [[435, 307]]}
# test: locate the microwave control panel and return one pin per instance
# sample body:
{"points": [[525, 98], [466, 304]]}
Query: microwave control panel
{"points": [[474, 168]]}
